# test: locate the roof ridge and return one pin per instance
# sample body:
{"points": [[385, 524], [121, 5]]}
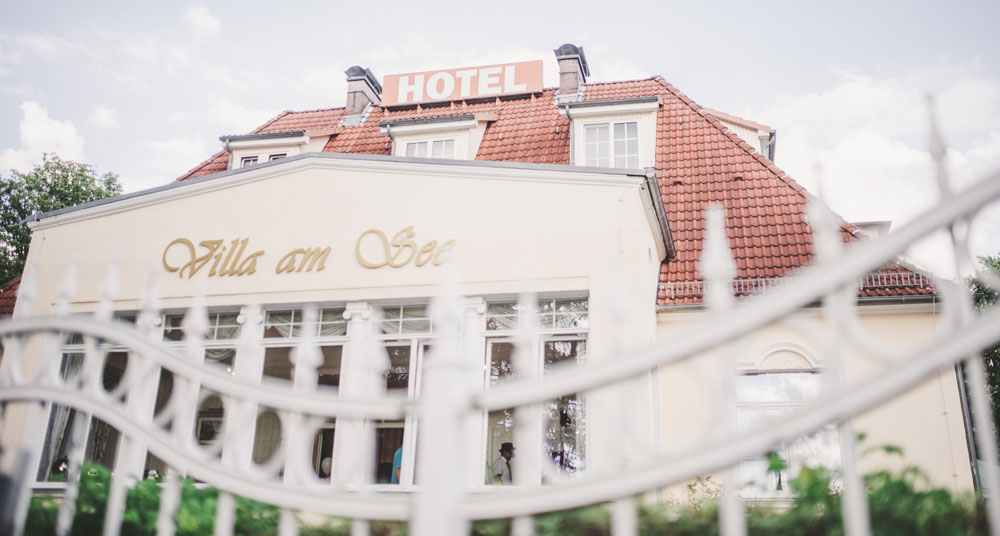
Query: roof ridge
{"points": [[648, 78], [330, 109]]}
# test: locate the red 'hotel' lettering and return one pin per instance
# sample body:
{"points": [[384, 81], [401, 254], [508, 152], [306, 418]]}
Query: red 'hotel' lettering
{"points": [[466, 83]]}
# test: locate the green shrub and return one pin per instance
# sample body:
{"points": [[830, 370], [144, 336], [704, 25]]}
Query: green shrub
{"points": [[901, 503]]}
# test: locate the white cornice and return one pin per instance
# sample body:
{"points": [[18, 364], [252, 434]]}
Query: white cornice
{"points": [[301, 139], [610, 109], [423, 128], [342, 162]]}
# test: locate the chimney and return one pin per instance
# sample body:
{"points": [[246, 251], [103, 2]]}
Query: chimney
{"points": [[573, 72], [362, 89]]}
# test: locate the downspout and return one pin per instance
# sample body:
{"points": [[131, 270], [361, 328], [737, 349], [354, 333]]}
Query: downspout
{"points": [[392, 140], [228, 150], [970, 437], [572, 153]]}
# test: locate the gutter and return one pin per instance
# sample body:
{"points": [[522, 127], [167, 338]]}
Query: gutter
{"points": [[608, 102], [569, 116], [970, 437], [229, 151], [392, 140], [862, 301], [653, 190], [427, 120]]}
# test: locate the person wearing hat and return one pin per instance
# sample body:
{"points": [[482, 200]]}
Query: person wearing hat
{"points": [[501, 466]]}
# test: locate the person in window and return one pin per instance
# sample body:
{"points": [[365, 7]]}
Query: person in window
{"points": [[501, 466], [397, 464]]}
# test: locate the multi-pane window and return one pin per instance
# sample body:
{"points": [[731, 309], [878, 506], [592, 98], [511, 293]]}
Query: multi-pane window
{"points": [[611, 144], [403, 319], [274, 157], [405, 331], [221, 326], [561, 339], [627, 145], [101, 439], [247, 161], [765, 397], [571, 313], [288, 323], [282, 328], [436, 148], [596, 149]]}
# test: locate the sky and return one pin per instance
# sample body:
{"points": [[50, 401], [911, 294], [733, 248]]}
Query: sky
{"points": [[145, 89]]}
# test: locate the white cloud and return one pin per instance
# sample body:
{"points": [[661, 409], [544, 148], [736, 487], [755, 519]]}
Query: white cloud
{"points": [[168, 160], [869, 137], [202, 19], [325, 80], [40, 134], [234, 118], [104, 117]]}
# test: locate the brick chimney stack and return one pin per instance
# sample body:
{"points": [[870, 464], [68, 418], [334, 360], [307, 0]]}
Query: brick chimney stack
{"points": [[573, 72], [362, 89]]}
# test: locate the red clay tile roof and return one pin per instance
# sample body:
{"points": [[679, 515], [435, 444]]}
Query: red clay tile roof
{"points": [[8, 296], [698, 161]]}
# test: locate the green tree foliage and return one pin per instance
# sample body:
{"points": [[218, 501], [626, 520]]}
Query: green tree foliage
{"points": [[986, 297], [51, 185]]}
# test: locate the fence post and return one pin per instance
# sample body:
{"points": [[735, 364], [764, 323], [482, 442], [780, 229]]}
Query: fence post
{"points": [[445, 400]]}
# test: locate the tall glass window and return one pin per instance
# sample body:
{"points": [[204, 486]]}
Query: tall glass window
{"points": [[405, 332], [282, 332], [563, 325], [765, 397]]}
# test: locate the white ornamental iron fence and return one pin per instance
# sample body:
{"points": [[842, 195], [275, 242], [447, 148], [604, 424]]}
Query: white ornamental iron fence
{"points": [[442, 503]]}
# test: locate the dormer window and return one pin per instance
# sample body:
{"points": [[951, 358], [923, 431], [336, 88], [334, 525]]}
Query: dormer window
{"points": [[620, 150], [613, 133], [438, 149], [448, 137], [249, 149]]}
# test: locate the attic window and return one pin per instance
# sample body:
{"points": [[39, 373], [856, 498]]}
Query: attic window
{"points": [[621, 149], [248, 161], [438, 149], [448, 137], [274, 157]]}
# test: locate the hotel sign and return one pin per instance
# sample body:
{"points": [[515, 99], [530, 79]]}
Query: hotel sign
{"points": [[463, 83]]}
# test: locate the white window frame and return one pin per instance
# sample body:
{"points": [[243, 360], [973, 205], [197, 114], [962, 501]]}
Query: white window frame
{"points": [[418, 343], [544, 335], [248, 161], [612, 153], [751, 491], [429, 145], [293, 341], [276, 156]]}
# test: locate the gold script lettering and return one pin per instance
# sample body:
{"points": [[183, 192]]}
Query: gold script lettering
{"points": [[401, 250], [427, 250], [402, 241], [442, 250], [314, 257], [385, 248], [224, 263]]}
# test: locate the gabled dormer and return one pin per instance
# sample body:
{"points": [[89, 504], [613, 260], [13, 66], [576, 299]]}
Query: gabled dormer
{"points": [[450, 137], [619, 133], [252, 149]]}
